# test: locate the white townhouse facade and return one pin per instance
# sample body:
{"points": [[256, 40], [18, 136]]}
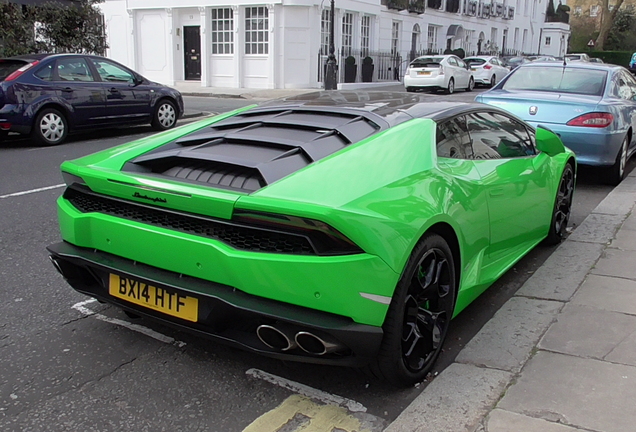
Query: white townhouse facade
{"points": [[283, 43]]}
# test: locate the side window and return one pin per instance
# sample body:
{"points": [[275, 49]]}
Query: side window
{"points": [[461, 63], [497, 136], [453, 140], [111, 72], [452, 61], [45, 73], [630, 82], [73, 69]]}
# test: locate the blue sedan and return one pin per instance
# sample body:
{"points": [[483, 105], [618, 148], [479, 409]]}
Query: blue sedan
{"points": [[591, 106], [49, 95]]}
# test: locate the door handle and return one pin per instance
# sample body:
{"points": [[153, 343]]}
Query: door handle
{"points": [[496, 192], [114, 90], [67, 89]]}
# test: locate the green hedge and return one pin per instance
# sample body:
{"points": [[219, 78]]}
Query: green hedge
{"points": [[621, 58]]}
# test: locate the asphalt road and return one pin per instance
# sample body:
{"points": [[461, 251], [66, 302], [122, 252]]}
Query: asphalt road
{"points": [[68, 365]]}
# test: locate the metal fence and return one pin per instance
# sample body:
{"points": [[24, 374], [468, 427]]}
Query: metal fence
{"points": [[387, 66]]}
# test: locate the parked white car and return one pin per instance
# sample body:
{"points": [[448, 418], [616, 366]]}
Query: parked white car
{"points": [[577, 57], [447, 72], [487, 70]]}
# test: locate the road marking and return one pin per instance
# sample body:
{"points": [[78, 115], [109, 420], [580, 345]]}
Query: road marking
{"points": [[299, 413], [81, 307], [32, 191], [305, 390]]}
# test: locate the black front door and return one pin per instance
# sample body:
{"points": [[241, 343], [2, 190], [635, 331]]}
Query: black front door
{"points": [[192, 52]]}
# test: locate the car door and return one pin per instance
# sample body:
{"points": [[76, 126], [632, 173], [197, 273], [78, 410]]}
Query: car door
{"points": [[76, 85], [626, 110], [127, 99], [453, 69], [464, 71], [514, 176]]}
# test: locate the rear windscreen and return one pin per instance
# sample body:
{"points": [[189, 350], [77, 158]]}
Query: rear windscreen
{"points": [[475, 61], [426, 62], [7, 67], [558, 79]]}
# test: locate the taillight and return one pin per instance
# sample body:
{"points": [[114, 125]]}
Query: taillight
{"points": [[487, 67], [13, 75], [595, 119], [441, 70], [325, 239]]}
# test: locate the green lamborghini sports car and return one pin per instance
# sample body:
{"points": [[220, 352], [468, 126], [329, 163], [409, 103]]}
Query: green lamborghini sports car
{"points": [[340, 227]]}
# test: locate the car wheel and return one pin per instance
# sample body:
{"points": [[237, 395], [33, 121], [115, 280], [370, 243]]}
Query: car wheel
{"points": [[471, 84], [562, 207], [419, 315], [50, 127], [493, 81], [451, 86], [617, 171], [410, 89], [4, 135], [165, 116]]}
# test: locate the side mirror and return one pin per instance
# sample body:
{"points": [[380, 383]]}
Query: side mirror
{"points": [[548, 142]]}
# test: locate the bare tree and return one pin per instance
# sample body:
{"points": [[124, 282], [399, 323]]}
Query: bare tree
{"points": [[607, 19]]}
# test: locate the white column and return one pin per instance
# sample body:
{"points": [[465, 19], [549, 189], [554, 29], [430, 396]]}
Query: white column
{"points": [[170, 48], [131, 40], [205, 47], [238, 46], [273, 48]]}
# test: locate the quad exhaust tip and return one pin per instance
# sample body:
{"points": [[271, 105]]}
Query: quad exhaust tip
{"points": [[312, 344], [275, 338]]}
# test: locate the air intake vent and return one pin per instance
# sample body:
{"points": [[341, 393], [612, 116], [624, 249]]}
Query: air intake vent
{"points": [[258, 147]]}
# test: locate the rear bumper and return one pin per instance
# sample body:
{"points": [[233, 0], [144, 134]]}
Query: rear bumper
{"points": [[226, 314], [438, 81], [15, 115]]}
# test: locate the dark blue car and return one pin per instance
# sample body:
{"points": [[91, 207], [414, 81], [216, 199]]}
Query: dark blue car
{"points": [[50, 95]]}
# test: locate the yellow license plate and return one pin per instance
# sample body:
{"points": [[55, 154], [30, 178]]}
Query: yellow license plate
{"points": [[159, 299], [423, 73], [473, 69]]}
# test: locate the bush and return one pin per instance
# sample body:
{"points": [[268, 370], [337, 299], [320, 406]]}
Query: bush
{"points": [[351, 60], [620, 58]]}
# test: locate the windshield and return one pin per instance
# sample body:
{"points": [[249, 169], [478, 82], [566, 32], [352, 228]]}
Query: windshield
{"points": [[558, 79], [475, 61], [427, 62], [7, 67]]}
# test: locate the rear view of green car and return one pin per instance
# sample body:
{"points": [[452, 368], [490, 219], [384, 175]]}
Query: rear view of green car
{"points": [[342, 228]]}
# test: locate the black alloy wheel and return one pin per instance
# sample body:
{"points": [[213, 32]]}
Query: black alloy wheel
{"points": [[562, 207], [493, 81], [419, 315]]}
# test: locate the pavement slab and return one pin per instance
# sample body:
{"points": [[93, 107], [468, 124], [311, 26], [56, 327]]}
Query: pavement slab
{"points": [[630, 222], [507, 340], [562, 273], [456, 400], [576, 392], [586, 331], [616, 262], [505, 421], [625, 239], [607, 293], [597, 228], [619, 202]]}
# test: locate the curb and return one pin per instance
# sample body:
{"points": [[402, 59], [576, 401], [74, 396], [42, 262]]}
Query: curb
{"points": [[195, 114], [464, 394], [214, 95]]}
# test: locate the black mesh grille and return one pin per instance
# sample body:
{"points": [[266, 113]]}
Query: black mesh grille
{"points": [[237, 236]]}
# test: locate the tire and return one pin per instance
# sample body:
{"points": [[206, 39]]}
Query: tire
{"points": [[410, 89], [562, 207], [493, 81], [451, 86], [616, 172], [131, 315], [4, 135], [165, 116], [471, 84], [419, 315], [50, 127]]}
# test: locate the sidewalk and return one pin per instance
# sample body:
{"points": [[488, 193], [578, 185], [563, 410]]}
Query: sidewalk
{"points": [[194, 88], [560, 356]]}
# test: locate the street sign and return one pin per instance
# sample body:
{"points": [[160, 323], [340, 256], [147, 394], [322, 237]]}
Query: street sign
{"points": [[591, 43]]}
